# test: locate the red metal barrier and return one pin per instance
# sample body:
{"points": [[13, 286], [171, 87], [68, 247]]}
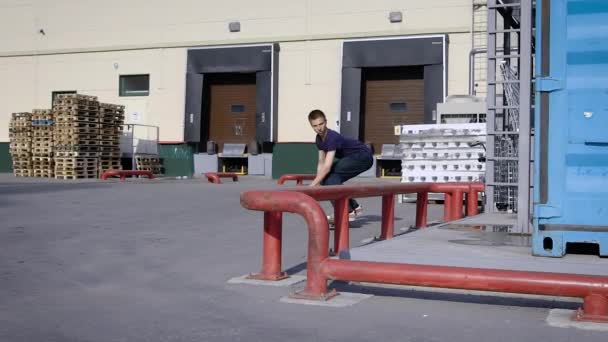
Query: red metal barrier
{"points": [[124, 173], [214, 177], [320, 269], [453, 205], [299, 178]]}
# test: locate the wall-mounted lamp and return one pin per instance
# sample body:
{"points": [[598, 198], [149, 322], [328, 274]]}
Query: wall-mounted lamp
{"points": [[234, 26], [395, 17]]}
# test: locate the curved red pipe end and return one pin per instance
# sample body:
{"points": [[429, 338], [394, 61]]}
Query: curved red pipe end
{"points": [[298, 178], [212, 177], [124, 173]]}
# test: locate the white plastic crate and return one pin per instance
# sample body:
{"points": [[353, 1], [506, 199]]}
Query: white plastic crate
{"points": [[442, 153]]}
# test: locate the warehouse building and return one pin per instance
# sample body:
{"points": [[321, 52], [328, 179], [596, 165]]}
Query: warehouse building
{"points": [[241, 71]]}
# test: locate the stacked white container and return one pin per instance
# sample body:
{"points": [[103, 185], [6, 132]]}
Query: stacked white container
{"points": [[442, 153]]}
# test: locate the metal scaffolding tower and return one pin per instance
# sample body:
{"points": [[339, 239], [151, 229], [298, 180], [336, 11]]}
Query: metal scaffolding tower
{"points": [[479, 44], [509, 101]]}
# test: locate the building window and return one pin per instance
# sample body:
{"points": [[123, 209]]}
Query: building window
{"points": [[237, 108], [398, 107], [62, 92], [134, 85]]}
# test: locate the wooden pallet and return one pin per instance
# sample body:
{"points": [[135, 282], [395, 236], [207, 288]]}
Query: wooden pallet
{"points": [[72, 117], [69, 130], [20, 155], [109, 143], [76, 124], [75, 154], [42, 159], [76, 142], [22, 172], [87, 176], [111, 107], [109, 148], [76, 108], [42, 150], [75, 97], [115, 154], [75, 160], [111, 121], [77, 148], [74, 139]]}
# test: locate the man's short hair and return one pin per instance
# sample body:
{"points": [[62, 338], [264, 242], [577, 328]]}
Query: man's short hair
{"points": [[316, 114]]}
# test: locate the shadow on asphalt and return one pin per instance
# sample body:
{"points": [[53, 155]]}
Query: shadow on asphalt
{"points": [[473, 298]]}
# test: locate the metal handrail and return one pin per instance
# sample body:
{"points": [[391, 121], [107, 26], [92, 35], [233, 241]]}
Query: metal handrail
{"points": [[320, 268]]}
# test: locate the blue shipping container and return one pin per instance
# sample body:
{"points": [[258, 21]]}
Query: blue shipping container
{"points": [[571, 126]]}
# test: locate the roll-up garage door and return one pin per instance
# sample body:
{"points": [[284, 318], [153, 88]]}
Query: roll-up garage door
{"points": [[232, 110], [391, 97]]}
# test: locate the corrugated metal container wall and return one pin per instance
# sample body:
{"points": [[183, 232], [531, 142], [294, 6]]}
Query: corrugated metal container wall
{"points": [[571, 162]]}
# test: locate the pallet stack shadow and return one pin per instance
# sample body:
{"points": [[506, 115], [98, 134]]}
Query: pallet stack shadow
{"points": [[20, 134], [42, 143], [148, 162], [76, 135], [111, 119]]}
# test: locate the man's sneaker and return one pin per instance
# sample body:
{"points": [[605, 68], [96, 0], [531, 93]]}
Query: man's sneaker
{"points": [[351, 217], [358, 210]]}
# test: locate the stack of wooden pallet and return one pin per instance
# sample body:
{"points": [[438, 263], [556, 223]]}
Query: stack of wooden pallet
{"points": [[42, 143], [76, 136], [111, 119], [148, 162], [20, 134]]}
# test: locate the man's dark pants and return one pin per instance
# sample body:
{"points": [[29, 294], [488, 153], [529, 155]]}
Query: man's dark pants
{"points": [[347, 168]]}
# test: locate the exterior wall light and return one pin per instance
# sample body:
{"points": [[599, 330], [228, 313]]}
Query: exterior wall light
{"points": [[395, 17], [234, 26]]}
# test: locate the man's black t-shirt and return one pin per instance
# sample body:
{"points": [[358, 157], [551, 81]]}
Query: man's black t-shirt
{"points": [[343, 146]]}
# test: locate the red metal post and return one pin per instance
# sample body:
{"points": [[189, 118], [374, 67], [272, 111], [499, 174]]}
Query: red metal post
{"points": [[422, 200], [472, 199], [457, 201], [595, 309], [447, 207], [271, 260], [341, 232], [318, 231], [388, 217]]}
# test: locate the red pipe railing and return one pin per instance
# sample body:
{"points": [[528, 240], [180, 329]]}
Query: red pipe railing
{"points": [[340, 195], [214, 177], [320, 269], [453, 204], [298, 178], [124, 173]]}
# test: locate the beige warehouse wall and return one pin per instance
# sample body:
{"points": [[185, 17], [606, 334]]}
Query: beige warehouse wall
{"points": [[458, 63], [309, 32], [27, 83], [116, 24], [309, 78]]}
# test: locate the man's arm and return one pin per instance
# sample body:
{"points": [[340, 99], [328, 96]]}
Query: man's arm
{"points": [[323, 166]]}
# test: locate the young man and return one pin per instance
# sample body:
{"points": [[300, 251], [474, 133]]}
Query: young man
{"points": [[351, 158]]}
